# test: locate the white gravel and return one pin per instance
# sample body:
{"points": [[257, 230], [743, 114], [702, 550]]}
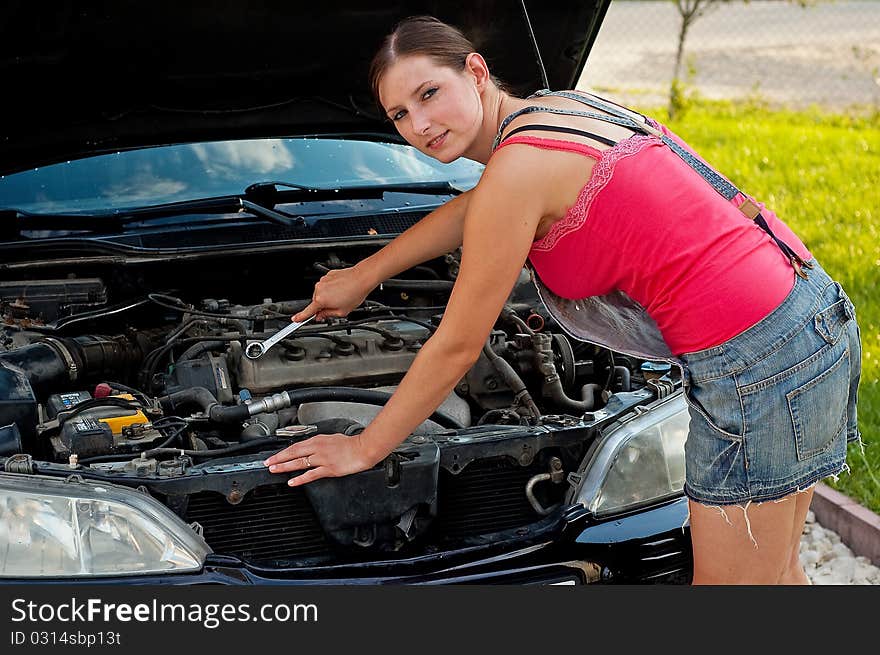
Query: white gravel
{"points": [[828, 561]]}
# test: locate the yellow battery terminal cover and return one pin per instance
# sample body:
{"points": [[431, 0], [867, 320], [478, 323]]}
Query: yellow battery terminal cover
{"points": [[125, 417]]}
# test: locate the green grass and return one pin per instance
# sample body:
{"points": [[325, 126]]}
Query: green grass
{"points": [[820, 173]]}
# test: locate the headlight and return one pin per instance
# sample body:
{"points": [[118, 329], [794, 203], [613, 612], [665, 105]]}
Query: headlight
{"points": [[640, 462], [58, 528]]}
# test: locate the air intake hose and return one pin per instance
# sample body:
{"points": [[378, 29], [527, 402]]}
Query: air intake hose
{"points": [[55, 362]]}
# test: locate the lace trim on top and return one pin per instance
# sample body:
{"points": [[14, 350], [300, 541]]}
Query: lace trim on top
{"points": [[602, 172]]}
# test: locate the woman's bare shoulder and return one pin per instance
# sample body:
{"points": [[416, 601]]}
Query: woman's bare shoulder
{"points": [[520, 162], [555, 176]]}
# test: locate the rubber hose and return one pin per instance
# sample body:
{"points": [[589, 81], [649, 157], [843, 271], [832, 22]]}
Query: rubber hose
{"points": [[588, 394], [514, 381], [55, 362], [561, 399], [261, 425], [198, 348], [357, 395], [205, 400]]}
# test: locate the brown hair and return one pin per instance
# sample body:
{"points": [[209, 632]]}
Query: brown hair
{"points": [[422, 35]]}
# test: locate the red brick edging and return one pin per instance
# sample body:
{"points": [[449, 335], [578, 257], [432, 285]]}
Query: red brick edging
{"points": [[858, 527]]}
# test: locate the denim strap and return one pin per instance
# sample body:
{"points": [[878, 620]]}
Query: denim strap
{"points": [[721, 185]]}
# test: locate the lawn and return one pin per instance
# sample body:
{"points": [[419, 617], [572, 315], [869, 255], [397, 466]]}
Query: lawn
{"points": [[820, 173]]}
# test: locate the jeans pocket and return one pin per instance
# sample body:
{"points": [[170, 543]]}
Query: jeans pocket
{"points": [[717, 402], [818, 408]]}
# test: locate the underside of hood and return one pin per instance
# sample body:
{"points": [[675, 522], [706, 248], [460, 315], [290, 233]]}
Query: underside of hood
{"points": [[89, 76]]}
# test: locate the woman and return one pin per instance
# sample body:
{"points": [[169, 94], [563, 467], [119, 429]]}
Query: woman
{"points": [[614, 211]]}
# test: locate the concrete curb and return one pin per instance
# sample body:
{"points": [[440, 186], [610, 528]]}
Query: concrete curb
{"points": [[858, 527]]}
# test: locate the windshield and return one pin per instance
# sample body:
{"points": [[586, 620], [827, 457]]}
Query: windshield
{"points": [[175, 173]]}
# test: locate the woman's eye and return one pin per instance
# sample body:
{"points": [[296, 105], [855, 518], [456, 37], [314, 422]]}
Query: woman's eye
{"points": [[398, 115], [427, 94]]}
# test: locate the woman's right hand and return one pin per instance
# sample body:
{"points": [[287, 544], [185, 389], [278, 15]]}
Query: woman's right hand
{"points": [[337, 293]]}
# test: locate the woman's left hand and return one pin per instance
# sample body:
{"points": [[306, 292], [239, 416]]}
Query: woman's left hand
{"points": [[324, 455]]}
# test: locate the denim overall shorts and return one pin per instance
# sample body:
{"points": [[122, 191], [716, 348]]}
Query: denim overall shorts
{"points": [[773, 408]]}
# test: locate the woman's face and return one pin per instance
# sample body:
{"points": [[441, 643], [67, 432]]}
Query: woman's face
{"points": [[435, 108]]}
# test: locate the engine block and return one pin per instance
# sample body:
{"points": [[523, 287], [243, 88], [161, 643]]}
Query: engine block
{"points": [[350, 356]]}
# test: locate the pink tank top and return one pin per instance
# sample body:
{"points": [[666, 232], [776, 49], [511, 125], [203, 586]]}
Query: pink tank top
{"points": [[647, 224]]}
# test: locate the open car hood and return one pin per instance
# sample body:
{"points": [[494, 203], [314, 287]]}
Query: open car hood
{"points": [[89, 76]]}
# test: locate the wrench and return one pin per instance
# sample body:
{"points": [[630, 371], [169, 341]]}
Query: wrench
{"points": [[257, 349]]}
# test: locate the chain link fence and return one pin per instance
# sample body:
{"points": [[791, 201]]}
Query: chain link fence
{"points": [[822, 52]]}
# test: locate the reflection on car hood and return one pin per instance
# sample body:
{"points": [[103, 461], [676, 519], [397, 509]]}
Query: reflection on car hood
{"points": [[88, 76]]}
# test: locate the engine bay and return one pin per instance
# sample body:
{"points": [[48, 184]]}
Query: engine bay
{"points": [[135, 374]]}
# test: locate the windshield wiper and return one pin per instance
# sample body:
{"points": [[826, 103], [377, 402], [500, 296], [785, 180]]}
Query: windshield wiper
{"points": [[14, 221], [279, 192]]}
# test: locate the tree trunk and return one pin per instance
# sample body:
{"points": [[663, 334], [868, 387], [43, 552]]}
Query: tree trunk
{"points": [[688, 10], [682, 35]]}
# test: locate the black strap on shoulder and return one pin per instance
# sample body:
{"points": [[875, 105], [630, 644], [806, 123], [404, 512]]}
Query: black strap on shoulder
{"points": [[624, 122], [559, 128]]}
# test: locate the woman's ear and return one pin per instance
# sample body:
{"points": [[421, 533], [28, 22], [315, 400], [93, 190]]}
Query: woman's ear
{"points": [[476, 66]]}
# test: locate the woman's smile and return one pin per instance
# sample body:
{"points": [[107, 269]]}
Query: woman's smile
{"points": [[437, 141]]}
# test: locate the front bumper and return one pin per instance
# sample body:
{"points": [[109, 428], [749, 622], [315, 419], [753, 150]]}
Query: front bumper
{"points": [[646, 547]]}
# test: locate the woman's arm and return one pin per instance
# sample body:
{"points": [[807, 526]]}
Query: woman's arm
{"points": [[502, 216], [436, 234], [341, 290]]}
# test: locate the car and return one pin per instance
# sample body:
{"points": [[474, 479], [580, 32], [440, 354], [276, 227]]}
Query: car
{"points": [[173, 182]]}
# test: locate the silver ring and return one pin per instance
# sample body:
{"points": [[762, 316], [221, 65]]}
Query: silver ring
{"points": [[309, 461]]}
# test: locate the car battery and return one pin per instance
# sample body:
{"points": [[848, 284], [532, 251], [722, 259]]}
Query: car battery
{"points": [[117, 418], [100, 430]]}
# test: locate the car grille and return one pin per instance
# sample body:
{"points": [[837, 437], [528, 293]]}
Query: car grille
{"points": [[665, 560], [271, 523], [278, 523], [488, 496]]}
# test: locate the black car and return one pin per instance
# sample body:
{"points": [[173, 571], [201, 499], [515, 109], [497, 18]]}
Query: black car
{"points": [[174, 178]]}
